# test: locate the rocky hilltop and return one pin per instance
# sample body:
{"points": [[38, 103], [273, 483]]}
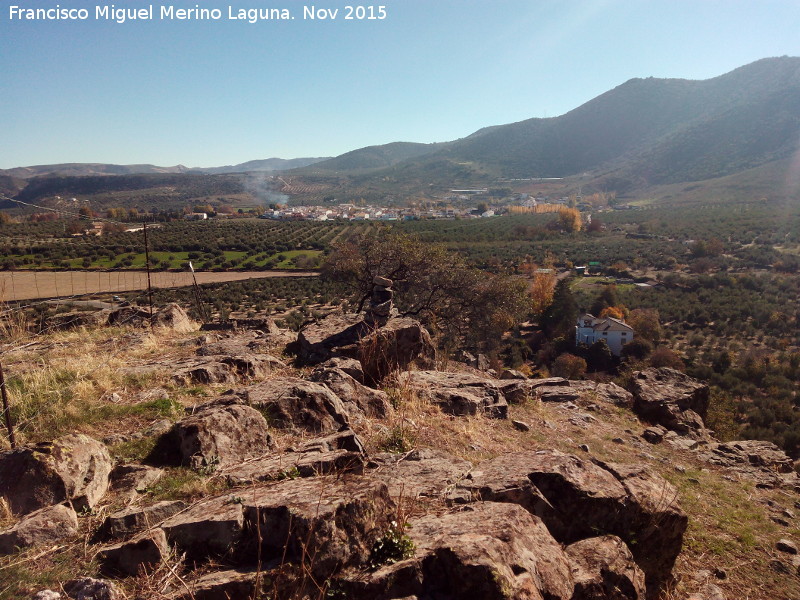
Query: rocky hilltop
{"points": [[349, 462]]}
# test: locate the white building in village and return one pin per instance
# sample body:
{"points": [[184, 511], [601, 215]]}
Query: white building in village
{"points": [[615, 332]]}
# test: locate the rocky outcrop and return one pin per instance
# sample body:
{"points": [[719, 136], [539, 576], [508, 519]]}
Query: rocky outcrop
{"points": [[225, 369], [74, 468], [340, 452], [603, 568], [217, 434], [394, 347], [458, 393], [359, 400], [45, 526], [170, 316], [577, 498], [423, 472], [759, 461], [128, 481], [381, 348], [133, 557], [88, 588], [226, 585], [293, 403], [488, 551], [664, 396], [132, 520]]}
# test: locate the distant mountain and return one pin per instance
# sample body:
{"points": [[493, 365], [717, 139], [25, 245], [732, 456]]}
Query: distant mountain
{"points": [[643, 132], [80, 169], [268, 165], [376, 157]]}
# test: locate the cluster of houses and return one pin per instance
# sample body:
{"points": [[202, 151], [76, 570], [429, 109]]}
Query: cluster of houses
{"points": [[352, 212]]}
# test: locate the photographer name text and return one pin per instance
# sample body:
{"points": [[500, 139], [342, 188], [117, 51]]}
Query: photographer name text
{"points": [[115, 14]]}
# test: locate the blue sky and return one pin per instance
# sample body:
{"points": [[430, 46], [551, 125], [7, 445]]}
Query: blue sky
{"points": [[209, 93]]}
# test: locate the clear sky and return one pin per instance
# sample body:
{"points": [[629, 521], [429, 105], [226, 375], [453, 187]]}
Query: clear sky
{"points": [[218, 92]]}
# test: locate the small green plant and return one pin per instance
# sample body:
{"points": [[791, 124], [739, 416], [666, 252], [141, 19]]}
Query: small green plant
{"points": [[399, 439], [392, 547]]}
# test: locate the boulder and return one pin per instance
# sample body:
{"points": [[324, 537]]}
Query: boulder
{"points": [[577, 499], [422, 472], [73, 468], [216, 435], [88, 588], [351, 366], [603, 569], [225, 585], [488, 551], [381, 349], [558, 394], [393, 347], [760, 461], [335, 335], [664, 396], [326, 523], [47, 595], [128, 481], [225, 369], [132, 520], [458, 393], [340, 452], [358, 399], [132, 557], [210, 528], [47, 525], [293, 403], [175, 318]]}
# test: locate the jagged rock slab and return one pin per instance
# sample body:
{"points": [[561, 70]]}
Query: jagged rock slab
{"points": [[335, 520], [394, 347], [88, 588], [247, 342], [217, 434], [605, 392], [423, 472], [73, 468], [337, 333], [128, 481], [603, 568], [45, 526], [664, 396], [231, 584], [458, 394], [341, 452], [351, 366], [489, 551], [140, 554], [130, 521], [558, 394], [760, 461], [578, 499], [225, 369], [293, 403], [358, 399], [209, 528]]}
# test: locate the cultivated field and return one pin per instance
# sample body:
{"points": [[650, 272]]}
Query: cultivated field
{"points": [[29, 285]]}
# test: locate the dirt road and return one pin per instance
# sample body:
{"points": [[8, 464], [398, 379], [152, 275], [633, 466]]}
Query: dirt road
{"points": [[29, 285]]}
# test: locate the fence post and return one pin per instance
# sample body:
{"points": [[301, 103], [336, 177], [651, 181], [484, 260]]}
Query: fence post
{"points": [[147, 265], [7, 409]]}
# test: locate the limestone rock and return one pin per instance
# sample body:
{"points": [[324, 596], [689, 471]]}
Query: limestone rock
{"points": [[603, 568], [45, 526], [72, 468], [292, 403], [225, 585], [340, 452], [351, 366], [128, 481], [88, 588], [334, 520], [557, 394], [175, 318], [215, 435], [142, 553], [488, 551], [211, 527], [458, 393], [47, 595], [393, 347], [225, 369], [577, 498], [760, 461], [787, 546], [664, 396], [358, 399], [422, 472], [132, 520], [335, 335]]}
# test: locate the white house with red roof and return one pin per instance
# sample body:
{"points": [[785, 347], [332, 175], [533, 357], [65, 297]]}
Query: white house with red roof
{"points": [[615, 332]]}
